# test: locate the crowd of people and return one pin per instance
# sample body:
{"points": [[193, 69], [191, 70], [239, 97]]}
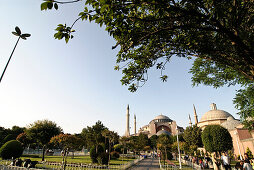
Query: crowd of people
{"points": [[222, 162]]}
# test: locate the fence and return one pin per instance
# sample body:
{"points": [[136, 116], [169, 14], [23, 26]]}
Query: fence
{"points": [[5, 165]]}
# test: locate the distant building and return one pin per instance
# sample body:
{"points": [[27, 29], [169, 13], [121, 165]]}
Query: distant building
{"points": [[241, 137], [161, 124]]}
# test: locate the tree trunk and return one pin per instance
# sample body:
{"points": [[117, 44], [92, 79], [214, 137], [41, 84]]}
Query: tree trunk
{"points": [[43, 152]]}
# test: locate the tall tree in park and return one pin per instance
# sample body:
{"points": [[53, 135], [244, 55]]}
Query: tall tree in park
{"points": [[142, 142], [67, 142], [163, 144], [153, 141], [112, 138], [93, 135], [216, 139], [192, 137], [42, 131]]}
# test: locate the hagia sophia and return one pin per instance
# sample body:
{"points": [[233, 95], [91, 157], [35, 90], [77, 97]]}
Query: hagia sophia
{"points": [[161, 124]]}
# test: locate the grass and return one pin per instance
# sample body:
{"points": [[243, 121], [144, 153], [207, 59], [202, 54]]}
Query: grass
{"points": [[76, 159]]}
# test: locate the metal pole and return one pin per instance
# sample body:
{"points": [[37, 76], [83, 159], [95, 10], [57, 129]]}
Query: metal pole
{"points": [[9, 59], [238, 146], [180, 163]]}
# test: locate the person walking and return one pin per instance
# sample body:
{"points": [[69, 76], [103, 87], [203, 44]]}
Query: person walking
{"points": [[226, 161], [246, 165]]}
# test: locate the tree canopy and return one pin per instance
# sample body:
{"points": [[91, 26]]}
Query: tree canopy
{"points": [[150, 32], [42, 131], [216, 139], [217, 34]]}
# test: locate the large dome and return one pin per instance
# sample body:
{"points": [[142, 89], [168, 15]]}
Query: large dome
{"points": [[161, 117], [215, 115]]}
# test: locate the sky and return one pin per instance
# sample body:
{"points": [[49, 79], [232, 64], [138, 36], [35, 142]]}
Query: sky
{"points": [[75, 84]]}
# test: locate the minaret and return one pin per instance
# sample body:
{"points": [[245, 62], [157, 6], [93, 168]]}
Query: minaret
{"points": [[127, 132], [190, 121], [195, 115], [135, 124]]}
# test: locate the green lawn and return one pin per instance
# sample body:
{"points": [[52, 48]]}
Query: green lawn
{"points": [[76, 159]]}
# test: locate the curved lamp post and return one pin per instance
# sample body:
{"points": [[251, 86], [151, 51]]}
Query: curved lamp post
{"points": [[237, 142], [179, 153], [23, 36]]}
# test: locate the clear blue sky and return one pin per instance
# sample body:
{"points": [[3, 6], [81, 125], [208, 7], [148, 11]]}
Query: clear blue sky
{"points": [[75, 84]]}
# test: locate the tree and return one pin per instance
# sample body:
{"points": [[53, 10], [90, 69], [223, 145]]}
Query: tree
{"points": [[153, 141], [216, 139], [163, 144], [192, 137], [249, 153], [42, 131], [244, 102], [142, 142], [93, 135], [112, 138], [66, 141], [216, 75], [24, 139], [150, 32]]}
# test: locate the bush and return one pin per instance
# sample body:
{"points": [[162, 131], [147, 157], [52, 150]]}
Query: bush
{"points": [[94, 155], [11, 149], [103, 158], [114, 155]]}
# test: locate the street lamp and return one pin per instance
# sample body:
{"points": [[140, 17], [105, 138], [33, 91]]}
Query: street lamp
{"points": [[179, 153], [23, 36], [235, 133]]}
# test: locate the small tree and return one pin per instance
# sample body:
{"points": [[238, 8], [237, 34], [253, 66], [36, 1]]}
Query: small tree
{"points": [[216, 139], [42, 131], [249, 153], [163, 144]]}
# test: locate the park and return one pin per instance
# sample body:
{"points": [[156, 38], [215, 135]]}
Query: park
{"points": [[58, 84]]}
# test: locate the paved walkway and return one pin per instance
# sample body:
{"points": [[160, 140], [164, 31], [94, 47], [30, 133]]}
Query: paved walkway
{"points": [[147, 164]]}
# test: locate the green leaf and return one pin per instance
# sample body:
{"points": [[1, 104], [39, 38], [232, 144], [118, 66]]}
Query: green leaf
{"points": [[17, 30], [26, 35], [15, 33], [56, 6], [50, 5], [24, 38], [44, 6]]}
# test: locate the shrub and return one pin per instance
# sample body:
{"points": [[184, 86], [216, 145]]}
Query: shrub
{"points": [[114, 155], [103, 158], [94, 155], [11, 149]]}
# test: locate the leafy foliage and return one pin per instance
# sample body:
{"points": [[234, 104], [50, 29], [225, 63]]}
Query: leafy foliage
{"points": [[11, 149], [216, 139], [244, 102], [42, 131], [150, 32], [192, 136], [93, 135], [24, 139], [249, 153], [65, 141]]}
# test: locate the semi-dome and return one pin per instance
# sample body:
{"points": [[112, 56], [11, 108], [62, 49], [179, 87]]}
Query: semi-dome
{"points": [[231, 123], [163, 132], [215, 114]]}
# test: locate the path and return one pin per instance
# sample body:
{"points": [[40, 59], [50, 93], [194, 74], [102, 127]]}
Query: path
{"points": [[147, 164]]}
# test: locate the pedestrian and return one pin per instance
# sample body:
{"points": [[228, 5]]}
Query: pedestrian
{"points": [[225, 161], [246, 158], [246, 165]]}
